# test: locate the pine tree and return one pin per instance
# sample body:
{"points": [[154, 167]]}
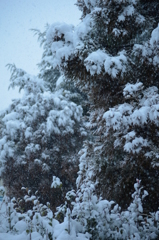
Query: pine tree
{"points": [[112, 56]]}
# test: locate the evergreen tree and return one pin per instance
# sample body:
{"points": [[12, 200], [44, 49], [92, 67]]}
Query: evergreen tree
{"points": [[112, 56], [40, 137]]}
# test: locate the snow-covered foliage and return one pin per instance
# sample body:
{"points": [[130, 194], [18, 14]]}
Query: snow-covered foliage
{"points": [[39, 134], [112, 56], [91, 218], [119, 71], [64, 42], [38, 222], [92, 42], [56, 182], [126, 118], [105, 220], [97, 61]]}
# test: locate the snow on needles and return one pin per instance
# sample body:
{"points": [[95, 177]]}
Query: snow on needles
{"points": [[98, 60], [124, 116], [64, 41]]}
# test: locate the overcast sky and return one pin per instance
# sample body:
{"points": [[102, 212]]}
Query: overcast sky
{"points": [[18, 44]]}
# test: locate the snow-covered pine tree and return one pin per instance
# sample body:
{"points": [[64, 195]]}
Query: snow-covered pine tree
{"points": [[41, 134], [113, 56]]}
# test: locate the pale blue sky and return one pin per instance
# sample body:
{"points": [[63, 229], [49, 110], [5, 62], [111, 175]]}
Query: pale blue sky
{"points": [[17, 44]]}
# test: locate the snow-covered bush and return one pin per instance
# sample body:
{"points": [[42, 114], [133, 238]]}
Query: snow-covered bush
{"points": [[38, 221], [91, 218], [104, 219]]}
